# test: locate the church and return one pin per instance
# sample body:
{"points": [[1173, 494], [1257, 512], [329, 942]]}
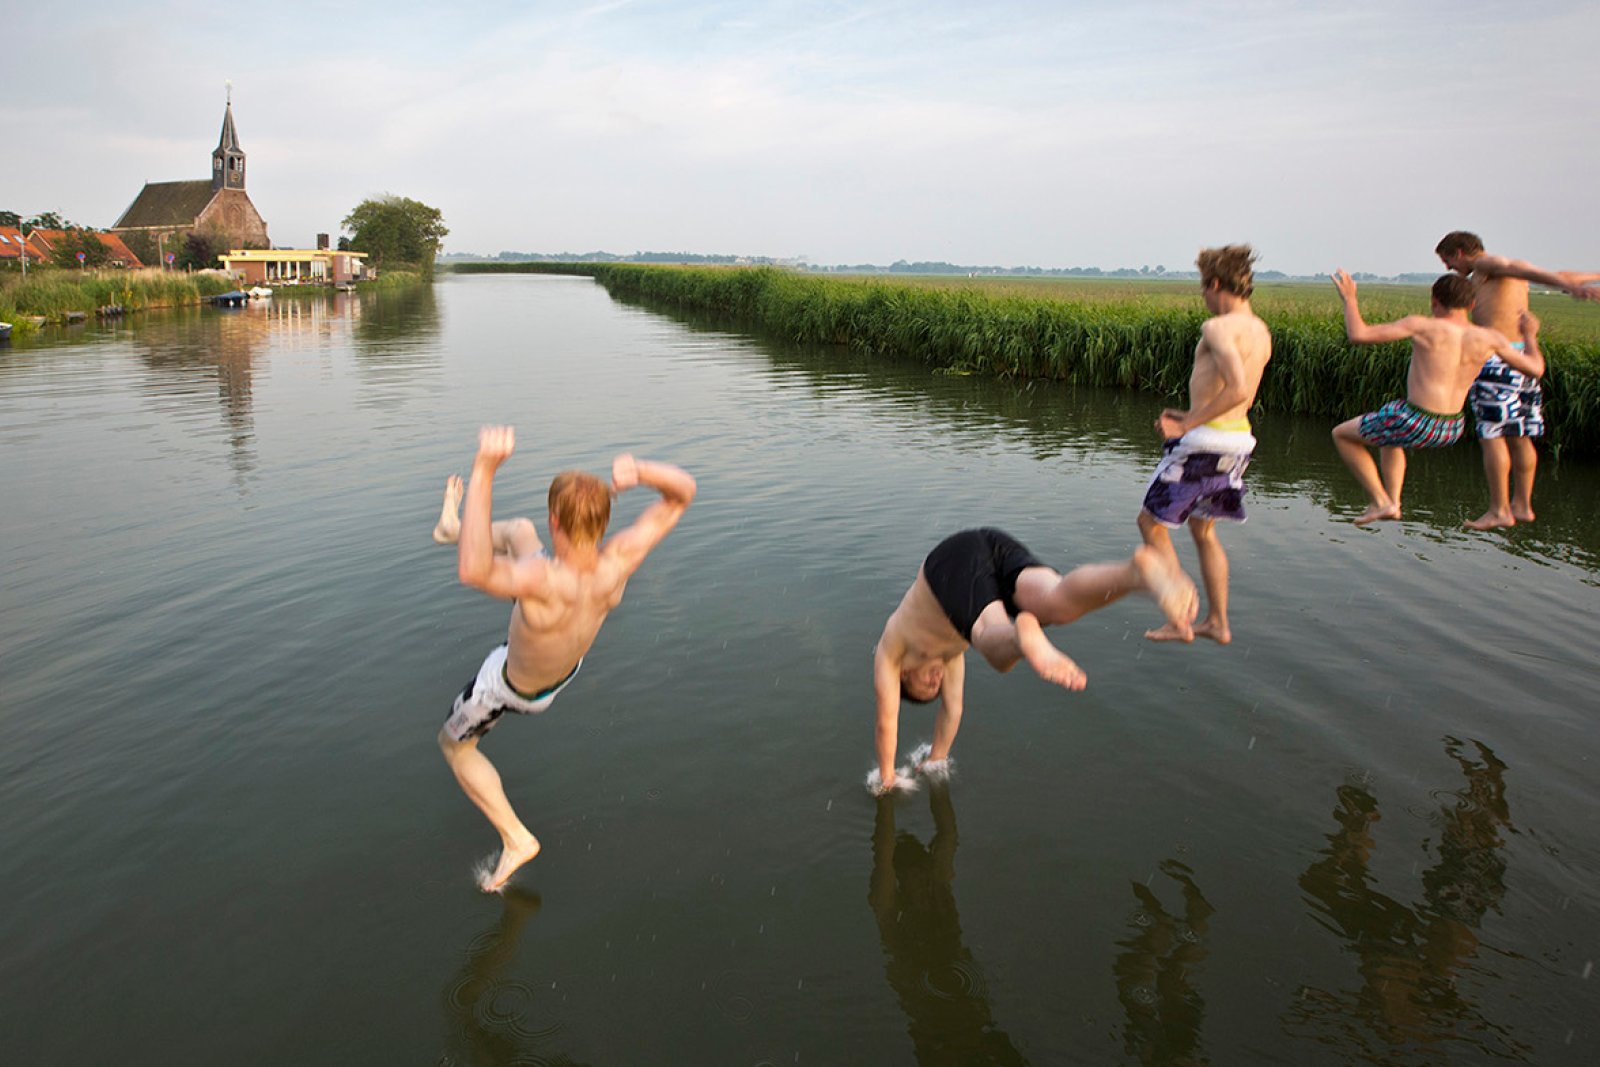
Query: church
{"points": [[165, 212]]}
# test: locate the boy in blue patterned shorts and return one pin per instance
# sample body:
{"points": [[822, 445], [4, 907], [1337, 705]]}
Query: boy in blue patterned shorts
{"points": [[1447, 351], [1507, 403]]}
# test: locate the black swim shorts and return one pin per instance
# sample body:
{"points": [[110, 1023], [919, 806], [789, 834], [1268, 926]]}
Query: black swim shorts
{"points": [[970, 570]]}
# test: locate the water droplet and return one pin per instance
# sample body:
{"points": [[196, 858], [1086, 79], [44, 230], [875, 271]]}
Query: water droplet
{"points": [[1252, 743], [1588, 968]]}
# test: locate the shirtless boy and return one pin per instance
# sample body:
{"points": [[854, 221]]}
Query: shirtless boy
{"points": [[560, 601], [1507, 405], [985, 589], [1447, 351], [1200, 478]]}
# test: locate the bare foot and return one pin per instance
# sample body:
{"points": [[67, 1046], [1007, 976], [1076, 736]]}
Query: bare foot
{"points": [[1491, 520], [1172, 590], [1216, 629], [511, 857], [1169, 632], [448, 528], [1376, 512], [1048, 661], [1521, 514], [1057, 667]]}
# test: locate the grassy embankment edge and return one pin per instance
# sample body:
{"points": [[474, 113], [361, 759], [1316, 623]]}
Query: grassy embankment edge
{"points": [[1123, 343], [53, 294]]}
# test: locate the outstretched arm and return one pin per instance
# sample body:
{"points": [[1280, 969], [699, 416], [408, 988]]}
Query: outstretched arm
{"points": [[677, 489], [1356, 328], [952, 694], [1570, 282], [886, 687], [477, 562]]}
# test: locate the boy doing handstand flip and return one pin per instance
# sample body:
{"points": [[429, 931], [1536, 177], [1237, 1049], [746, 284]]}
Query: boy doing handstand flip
{"points": [[985, 589], [1447, 351], [560, 601], [1200, 478]]}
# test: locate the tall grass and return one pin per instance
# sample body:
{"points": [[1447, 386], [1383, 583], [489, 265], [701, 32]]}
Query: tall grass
{"points": [[1126, 342], [53, 293]]}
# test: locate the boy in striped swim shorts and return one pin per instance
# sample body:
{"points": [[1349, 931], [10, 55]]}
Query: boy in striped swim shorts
{"points": [[1447, 351]]}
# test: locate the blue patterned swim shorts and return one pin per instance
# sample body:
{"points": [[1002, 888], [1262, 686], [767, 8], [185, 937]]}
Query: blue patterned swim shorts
{"points": [[1400, 425], [1505, 402]]}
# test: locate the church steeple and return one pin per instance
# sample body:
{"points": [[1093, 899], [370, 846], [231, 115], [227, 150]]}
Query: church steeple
{"points": [[227, 162]]}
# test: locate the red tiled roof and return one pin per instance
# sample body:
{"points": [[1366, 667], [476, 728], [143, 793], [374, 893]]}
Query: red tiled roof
{"points": [[119, 251], [11, 243]]}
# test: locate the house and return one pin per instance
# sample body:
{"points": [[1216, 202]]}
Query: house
{"points": [[42, 245], [13, 246], [290, 266], [164, 212]]}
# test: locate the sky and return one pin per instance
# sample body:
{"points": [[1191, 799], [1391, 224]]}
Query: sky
{"points": [[1105, 133]]}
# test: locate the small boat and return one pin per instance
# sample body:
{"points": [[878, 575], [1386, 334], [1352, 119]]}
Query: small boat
{"points": [[109, 311], [234, 299], [5, 331], [71, 317], [257, 292]]}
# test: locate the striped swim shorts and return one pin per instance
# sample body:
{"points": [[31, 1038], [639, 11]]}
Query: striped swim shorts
{"points": [[1398, 424]]}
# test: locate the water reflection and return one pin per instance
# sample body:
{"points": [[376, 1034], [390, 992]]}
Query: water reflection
{"points": [[940, 986], [495, 1020], [1295, 457], [1155, 974], [1415, 998]]}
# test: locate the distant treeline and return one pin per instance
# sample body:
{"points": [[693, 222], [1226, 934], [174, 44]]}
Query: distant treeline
{"points": [[470, 262], [1127, 343]]}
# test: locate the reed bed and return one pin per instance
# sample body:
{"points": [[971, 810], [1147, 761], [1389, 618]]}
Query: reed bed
{"points": [[54, 293], [1130, 343]]}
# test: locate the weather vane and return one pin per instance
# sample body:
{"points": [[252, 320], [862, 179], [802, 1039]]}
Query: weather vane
{"points": [[229, 85]]}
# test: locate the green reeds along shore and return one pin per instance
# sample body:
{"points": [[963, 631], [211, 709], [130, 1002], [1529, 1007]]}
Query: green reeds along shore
{"points": [[1134, 335], [52, 294]]}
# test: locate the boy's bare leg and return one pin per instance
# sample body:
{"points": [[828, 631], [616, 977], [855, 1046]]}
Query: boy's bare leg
{"points": [[1353, 450], [1497, 472], [481, 782], [1159, 540], [1524, 464], [1214, 574], [1392, 467], [448, 529], [1003, 642], [1056, 599], [514, 537]]}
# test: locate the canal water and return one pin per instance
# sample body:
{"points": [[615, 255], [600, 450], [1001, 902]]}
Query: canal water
{"points": [[1363, 833]]}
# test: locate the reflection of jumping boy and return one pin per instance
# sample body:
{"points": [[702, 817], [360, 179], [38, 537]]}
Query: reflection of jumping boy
{"points": [[1447, 351], [1507, 405], [560, 603], [984, 588], [1200, 478]]}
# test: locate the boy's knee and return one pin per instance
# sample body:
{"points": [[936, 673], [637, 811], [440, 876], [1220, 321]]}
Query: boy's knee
{"points": [[449, 745]]}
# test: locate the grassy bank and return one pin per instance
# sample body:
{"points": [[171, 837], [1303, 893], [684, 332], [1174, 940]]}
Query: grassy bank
{"points": [[1096, 333], [52, 294]]}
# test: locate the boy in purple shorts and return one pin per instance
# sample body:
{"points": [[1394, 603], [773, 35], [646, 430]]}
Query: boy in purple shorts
{"points": [[1447, 351], [1200, 478]]}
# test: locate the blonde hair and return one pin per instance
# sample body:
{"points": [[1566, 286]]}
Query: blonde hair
{"points": [[581, 504], [1229, 267]]}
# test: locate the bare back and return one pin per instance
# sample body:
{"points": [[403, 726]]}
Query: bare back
{"points": [[1446, 356], [1500, 301], [1235, 344], [551, 632]]}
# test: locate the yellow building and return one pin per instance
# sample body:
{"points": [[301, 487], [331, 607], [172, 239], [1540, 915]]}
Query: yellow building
{"points": [[290, 266]]}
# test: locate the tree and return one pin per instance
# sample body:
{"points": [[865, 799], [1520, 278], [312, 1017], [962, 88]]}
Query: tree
{"points": [[65, 251], [396, 231], [201, 249]]}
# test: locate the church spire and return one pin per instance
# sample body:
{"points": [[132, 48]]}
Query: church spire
{"points": [[227, 162]]}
